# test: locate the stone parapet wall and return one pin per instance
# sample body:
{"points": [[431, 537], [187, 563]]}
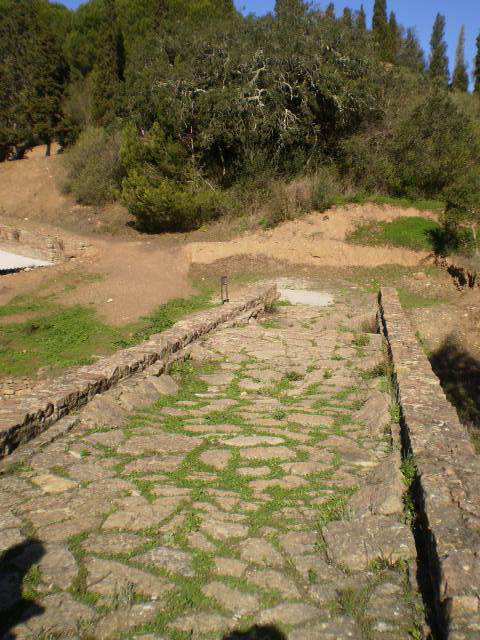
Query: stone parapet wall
{"points": [[22, 418], [34, 245], [448, 478]]}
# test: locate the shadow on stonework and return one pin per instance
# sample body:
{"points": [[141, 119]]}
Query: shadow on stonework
{"points": [[459, 374], [17, 585], [257, 632]]}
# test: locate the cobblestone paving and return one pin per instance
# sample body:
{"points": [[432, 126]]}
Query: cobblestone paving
{"points": [[263, 490]]}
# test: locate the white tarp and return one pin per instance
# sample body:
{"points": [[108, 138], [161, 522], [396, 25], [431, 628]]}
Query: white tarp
{"points": [[12, 262]]}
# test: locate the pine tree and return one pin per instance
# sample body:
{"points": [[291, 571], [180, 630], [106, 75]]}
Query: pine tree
{"points": [[108, 69], [476, 71], [361, 20], [460, 75], [347, 17], [379, 22], [411, 53], [438, 68]]}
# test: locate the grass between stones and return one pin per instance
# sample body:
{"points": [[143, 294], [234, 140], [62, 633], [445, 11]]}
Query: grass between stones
{"points": [[276, 509]]}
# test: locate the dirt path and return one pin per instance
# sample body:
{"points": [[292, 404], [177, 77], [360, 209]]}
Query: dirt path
{"points": [[126, 275], [133, 279], [225, 504]]}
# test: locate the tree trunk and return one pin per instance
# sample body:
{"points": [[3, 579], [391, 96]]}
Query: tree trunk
{"points": [[20, 152], [48, 149], [474, 233]]}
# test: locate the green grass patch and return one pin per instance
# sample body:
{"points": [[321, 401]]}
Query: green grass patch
{"points": [[411, 300], [60, 336], [408, 232], [333, 508], [436, 206]]}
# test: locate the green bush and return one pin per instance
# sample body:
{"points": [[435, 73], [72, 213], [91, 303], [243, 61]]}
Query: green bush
{"points": [[162, 189], [93, 167], [166, 205]]}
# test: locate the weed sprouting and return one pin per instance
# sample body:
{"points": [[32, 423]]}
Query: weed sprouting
{"points": [[293, 376]]}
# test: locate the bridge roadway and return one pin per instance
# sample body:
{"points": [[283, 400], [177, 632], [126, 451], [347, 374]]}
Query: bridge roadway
{"points": [[263, 488]]}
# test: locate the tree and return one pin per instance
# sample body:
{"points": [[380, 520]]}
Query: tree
{"points": [[108, 72], [330, 11], [438, 68], [460, 75], [411, 54], [347, 17], [48, 88], [463, 204], [33, 77], [434, 145], [476, 70], [288, 10], [380, 29], [379, 21], [361, 20], [393, 39]]}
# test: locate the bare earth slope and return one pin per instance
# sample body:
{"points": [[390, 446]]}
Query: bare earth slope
{"points": [[129, 274], [317, 239]]}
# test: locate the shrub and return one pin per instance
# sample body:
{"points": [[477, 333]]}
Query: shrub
{"points": [[162, 189], [287, 201], [166, 205], [324, 190], [93, 167]]}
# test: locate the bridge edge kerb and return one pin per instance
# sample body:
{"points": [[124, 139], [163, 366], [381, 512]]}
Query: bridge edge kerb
{"points": [[445, 460]]}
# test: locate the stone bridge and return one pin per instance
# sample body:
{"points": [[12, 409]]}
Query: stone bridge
{"points": [[256, 482]]}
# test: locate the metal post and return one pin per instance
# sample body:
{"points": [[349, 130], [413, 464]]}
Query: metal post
{"points": [[224, 289]]}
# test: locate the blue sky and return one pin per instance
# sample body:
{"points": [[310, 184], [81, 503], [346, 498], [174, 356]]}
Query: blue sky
{"points": [[410, 13]]}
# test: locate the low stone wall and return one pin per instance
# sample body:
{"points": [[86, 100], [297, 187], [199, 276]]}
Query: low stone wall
{"points": [[34, 245], [22, 418], [448, 478]]}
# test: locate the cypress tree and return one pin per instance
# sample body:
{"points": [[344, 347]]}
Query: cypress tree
{"points": [[438, 58], [476, 71], [379, 21], [411, 53], [380, 28], [108, 69], [347, 17], [460, 75], [48, 87], [330, 12], [393, 39], [361, 20]]}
